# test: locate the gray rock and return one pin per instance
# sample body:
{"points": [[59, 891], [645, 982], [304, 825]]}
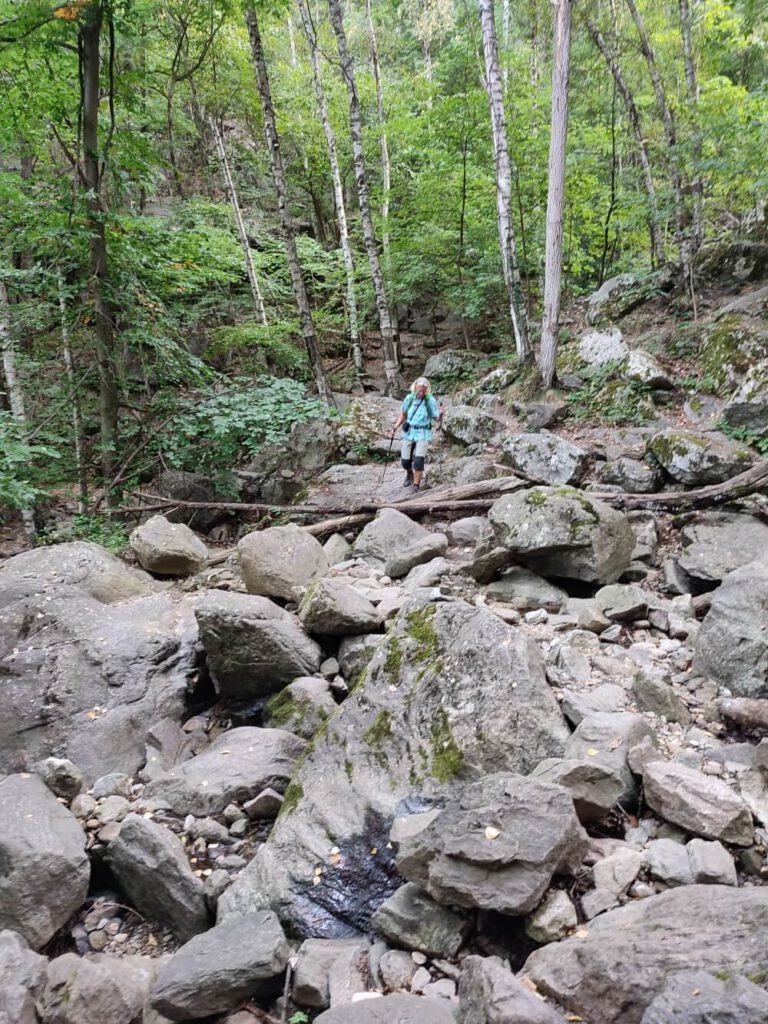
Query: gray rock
{"points": [[168, 549], [451, 362], [351, 486], [397, 969], [631, 475], [497, 846], [615, 297], [711, 864], [348, 974], [622, 602], [546, 414], [182, 486], [616, 872], [275, 560], [586, 615], [216, 971], [367, 421], [97, 989], [151, 865], [698, 459], [468, 425], [311, 979], [607, 739], [553, 919], [646, 536], [391, 533], [526, 591], [355, 652], [643, 368], [595, 788], [669, 862], [608, 698], [716, 543], [21, 975], [732, 645], [333, 608], [597, 901], [87, 567], [696, 997], [656, 695], [468, 530], [451, 694], [491, 994], [399, 1008], [265, 806], [424, 550], [302, 707], [614, 972], [411, 919], [546, 457], [701, 804], [114, 784], [63, 778], [337, 549], [598, 348], [89, 680], [469, 469], [253, 646], [748, 408], [563, 532], [429, 574], [237, 766], [45, 869]]}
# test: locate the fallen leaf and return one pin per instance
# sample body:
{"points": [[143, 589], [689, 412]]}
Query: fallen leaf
{"points": [[592, 752], [582, 933], [374, 850], [492, 833]]}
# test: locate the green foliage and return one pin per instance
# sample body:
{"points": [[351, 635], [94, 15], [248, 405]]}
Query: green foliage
{"points": [[606, 398], [299, 1017], [745, 437], [106, 531], [19, 465]]}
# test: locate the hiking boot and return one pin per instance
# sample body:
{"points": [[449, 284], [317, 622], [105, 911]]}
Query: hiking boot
{"points": [[415, 489], [408, 479]]}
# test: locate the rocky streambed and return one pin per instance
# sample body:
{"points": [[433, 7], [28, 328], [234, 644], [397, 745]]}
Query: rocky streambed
{"points": [[506, 768]]}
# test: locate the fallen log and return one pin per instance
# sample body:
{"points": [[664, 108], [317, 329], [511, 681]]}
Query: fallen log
{"points": [[749, 482]]}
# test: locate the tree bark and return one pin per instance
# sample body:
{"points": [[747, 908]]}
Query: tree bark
{"points": [[556, 191], [692, 88], [517, 310], [338, 190], [258, 301], [387, 325], [15, 394], [654, 221], [278, 177], [385, 168], [77, 424], [90, 37]]}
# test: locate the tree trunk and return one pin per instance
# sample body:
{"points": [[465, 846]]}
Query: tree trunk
{"points": [[15, 394], [517, 310], [657, 239], [77, 425], [278, 176], [556, 192], [385, 170], [692, 88], [505, 21], [387, 325], [258, 301], [90, 36], [338, 191]]}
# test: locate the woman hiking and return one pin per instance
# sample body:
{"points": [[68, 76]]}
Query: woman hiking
{"points": [[417, 414]]}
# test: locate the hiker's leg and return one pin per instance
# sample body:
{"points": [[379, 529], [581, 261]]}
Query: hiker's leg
{"points": [[406, 460], [419, 459]]}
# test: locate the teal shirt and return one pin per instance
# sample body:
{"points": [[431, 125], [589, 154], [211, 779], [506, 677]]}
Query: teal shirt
{"points": [[419, 415]]}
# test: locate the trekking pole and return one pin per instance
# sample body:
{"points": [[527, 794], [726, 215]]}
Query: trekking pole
{"points": [[389, 452]]}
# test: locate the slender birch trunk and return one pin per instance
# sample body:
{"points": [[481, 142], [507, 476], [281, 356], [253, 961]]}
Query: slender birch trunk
{"points": [[387, 325], [556, 191], [517, 310], [77, 425], [385, 168], [242, 234], [15, 394], [657, 238], [278, 177], [338, 190], [505, 22], [692, 88]]}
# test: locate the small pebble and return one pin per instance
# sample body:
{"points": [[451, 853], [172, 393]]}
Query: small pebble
{"points": [[418, 958], [97, 940], [420, 980]]}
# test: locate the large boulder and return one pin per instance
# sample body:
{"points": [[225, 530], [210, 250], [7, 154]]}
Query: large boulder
{"points": [[451, 694], [612, 971], [732, 645], [367, 424], [346, 486], [168, 549], [397, 1008], [490, 994], [237, 766], [80, 564], [698, 459], [699, 803], [86, 681], [631, 475], [218, 970], [606, 738], [615, 297], [748, 408], [716, 543], [181, 486], [275, 561], [467, 425], [452, 363], [391, 534], [22, 972], [602, 348], [526, 591], [151, 866], [546, 457], [563, 532], [697, 997], [97, 989], [497, 846], [42, 850], [643, 368], [254, 647], [302, 707], [730, 346], [334, 608], [413, 920]]}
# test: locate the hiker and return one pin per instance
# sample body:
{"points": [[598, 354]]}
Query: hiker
{"points": [[417, 414]]}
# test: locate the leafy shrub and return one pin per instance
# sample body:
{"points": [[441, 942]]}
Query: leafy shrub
{"points": [[104, 530], [609, 399], [17, 465]]}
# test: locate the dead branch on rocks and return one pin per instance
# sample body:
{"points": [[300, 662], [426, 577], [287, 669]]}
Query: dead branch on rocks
{"points": [[751, 481]]}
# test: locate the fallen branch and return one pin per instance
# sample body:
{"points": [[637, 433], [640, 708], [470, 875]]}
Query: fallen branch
{"points": [[749, 482]]}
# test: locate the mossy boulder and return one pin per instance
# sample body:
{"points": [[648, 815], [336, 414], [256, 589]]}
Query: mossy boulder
{"points": [[332, 607], [615, 298], [467, 425], [748, 408], [546, 457], [730, 346], [302, 707], [698, 459]]}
